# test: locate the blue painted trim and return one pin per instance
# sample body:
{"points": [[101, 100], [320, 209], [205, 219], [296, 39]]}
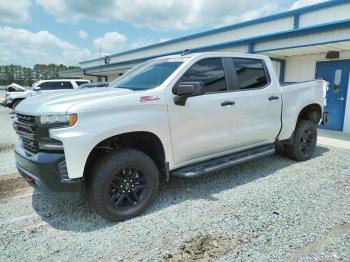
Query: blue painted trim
{"points": [[251, 48], [291, 13], [296, 21], [308, 45], [301, 31], [274, 36]]}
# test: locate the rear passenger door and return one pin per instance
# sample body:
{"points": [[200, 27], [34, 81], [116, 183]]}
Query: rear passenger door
{"points": [[204, 126], [257, 110]]}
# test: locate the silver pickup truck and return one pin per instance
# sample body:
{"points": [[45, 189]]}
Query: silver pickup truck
{"points": [[183, 115]]}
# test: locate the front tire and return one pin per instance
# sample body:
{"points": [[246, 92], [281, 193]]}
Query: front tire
{"points": [[122, 184], [304, 142]]}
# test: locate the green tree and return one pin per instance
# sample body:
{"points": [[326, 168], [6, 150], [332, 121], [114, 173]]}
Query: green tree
{"points": [[27, 76]]}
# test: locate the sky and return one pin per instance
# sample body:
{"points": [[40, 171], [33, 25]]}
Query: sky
{"points": [[70, 31]]}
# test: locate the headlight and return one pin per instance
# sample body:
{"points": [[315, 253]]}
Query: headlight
{"points": [[66, 120]]}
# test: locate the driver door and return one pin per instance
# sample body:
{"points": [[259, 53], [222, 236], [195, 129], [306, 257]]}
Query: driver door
{"points": [[203, 126]]}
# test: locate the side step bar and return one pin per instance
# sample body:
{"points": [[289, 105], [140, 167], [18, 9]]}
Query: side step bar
{"points": [[223, 162]]}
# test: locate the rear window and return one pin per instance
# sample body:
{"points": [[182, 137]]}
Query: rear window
{"points": [[251, 73]]}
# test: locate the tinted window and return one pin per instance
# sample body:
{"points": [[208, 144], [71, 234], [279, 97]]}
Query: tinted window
{"points": [[64, 85], [147, 75], [47, 86], [56, 85], [81, 82], [251, 73], [209, 71]]}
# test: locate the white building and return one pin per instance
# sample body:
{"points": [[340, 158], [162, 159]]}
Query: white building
{"points": [[306, 43]]}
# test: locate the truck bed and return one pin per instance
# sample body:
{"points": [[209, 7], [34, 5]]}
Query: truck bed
{"points": [[295, 97]]}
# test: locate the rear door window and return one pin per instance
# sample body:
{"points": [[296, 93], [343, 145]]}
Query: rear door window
{"points": [[64, 85], [210, 72], [251, 73]]}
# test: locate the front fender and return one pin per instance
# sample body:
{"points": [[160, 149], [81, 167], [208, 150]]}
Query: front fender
{"points": [[80, 140]]}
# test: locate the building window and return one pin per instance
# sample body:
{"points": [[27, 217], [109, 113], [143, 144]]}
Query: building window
{"points": [[337, 80]]}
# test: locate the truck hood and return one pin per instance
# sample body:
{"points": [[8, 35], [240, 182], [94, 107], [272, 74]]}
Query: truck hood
{"points": [[61, 101]]}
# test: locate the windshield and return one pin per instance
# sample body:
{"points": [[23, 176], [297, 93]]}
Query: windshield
{"points": [[147, 75]]}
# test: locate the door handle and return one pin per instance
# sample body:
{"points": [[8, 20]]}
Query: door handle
{"points": [[228, 103], [341, 99], [273, 98]]}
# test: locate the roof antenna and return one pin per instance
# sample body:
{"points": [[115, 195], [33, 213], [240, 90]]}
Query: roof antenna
{"points": [[186, 52]]}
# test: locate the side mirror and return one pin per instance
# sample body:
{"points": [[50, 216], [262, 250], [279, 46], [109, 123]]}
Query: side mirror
{"points": [[187, 89], [37, 88]]}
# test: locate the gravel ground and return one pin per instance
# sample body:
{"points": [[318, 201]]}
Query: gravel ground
{"points": [[270, 209], [8, 139]]}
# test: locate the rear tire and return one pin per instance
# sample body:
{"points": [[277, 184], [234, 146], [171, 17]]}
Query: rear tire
{"points": [[122, 184], [304, 142]]}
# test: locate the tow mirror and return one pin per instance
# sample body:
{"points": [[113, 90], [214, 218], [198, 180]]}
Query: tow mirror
{"points": [[187, 89]]}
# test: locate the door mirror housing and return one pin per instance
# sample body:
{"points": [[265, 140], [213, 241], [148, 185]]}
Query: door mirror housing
{"points": [[187, 89], [37, 88]]}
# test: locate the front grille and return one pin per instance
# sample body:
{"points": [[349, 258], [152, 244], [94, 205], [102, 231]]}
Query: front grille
{"points": [[30, 145], [26, 127]]}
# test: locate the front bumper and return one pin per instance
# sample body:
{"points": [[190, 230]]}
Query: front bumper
{"points": [[41, 171]]}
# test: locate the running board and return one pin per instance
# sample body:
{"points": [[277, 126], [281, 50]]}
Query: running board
{"points": [[223, 162]]}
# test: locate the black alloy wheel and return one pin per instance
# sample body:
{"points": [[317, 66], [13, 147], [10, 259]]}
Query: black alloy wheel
{"points": [[122, 184], [128, 188], [304, 142]]}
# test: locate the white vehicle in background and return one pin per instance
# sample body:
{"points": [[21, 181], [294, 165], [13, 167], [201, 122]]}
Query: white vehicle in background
{"points": [[13, 98], [183, 116], [15, 88]]}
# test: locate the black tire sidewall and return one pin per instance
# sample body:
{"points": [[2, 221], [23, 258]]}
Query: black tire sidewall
{"points": [[296, 151], [103, 173]]}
